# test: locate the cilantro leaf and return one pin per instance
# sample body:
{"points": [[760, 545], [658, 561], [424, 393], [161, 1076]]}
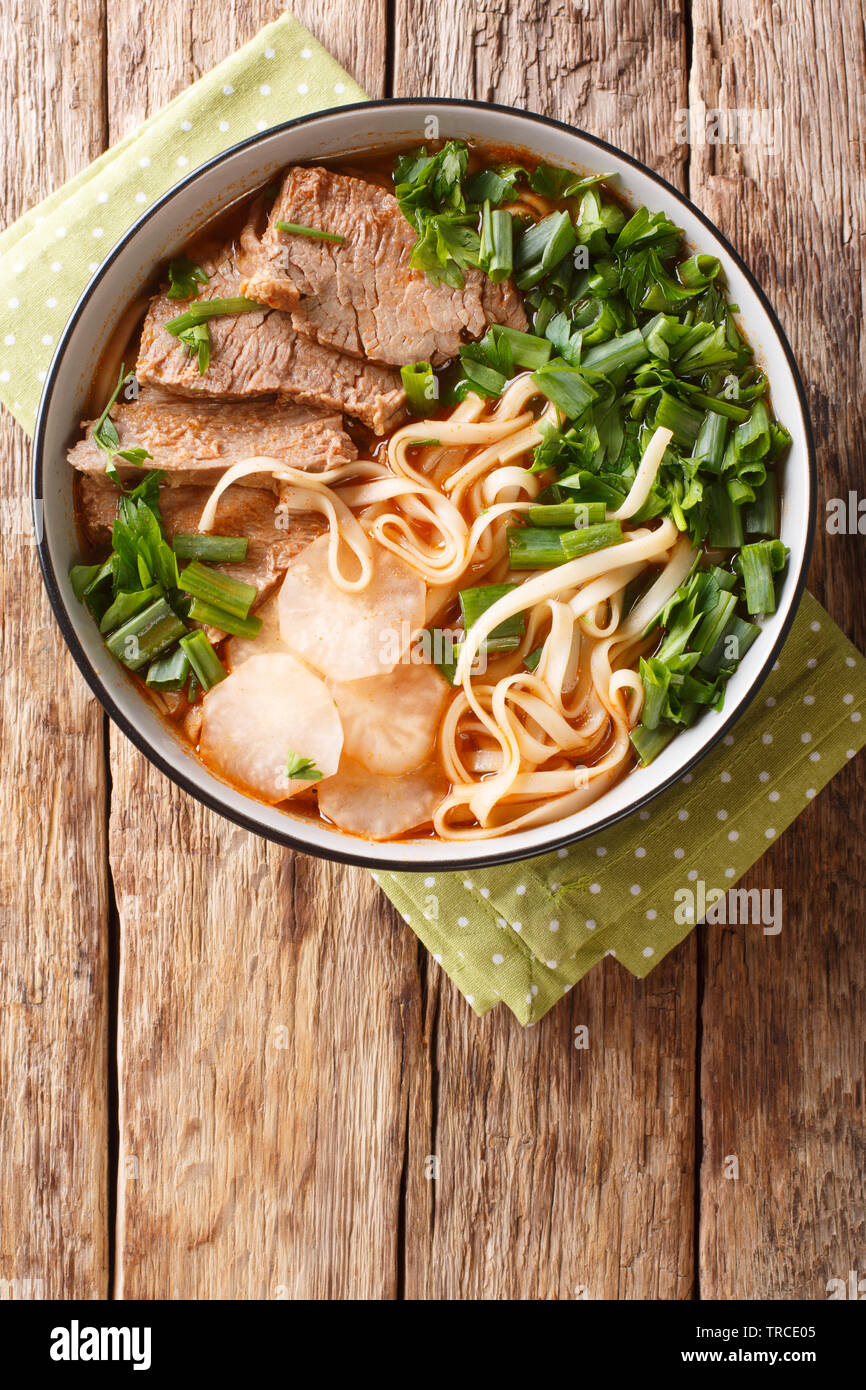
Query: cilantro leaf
{"points": [[301, 769], [184, 278]]}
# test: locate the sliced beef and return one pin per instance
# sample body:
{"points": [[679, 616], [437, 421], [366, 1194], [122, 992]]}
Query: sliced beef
{"points": [[260, 354], [363, 297], [274, 534], [195, 441]]}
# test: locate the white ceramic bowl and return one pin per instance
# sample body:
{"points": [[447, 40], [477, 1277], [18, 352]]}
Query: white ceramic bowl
{"points": [[162, 232]]}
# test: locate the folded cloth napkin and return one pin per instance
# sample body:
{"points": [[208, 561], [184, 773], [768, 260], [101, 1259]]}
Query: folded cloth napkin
{"points": [[524, 934]]}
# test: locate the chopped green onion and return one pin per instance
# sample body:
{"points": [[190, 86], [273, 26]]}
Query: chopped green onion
{"points": [[169, 672], [710, 443], [655, 677], [533, 548], [714, 623], [725, 519], [421, 387], [683, 422], [211, 616], [218, 589], [720, 406], [146, 635], [474, 602], [565, 514], [760, 515], [757, 564], [752, 437], [730, 647], [589, 538], [206, 665], [648, 743], [216, 549], [532, 659], [204, 309], [295, 229], [126, 605], [497, 244], [543, 314], [628, 350], [541, 248]]}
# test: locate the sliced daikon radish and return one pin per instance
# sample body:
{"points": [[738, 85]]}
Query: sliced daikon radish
{"points": [[379, 807], [350, 635], [240, 649], [390, 722], [266, 708]]}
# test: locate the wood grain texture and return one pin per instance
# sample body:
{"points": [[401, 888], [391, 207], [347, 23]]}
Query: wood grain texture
{"points": [[53, 892], [269, 1031], [614, 69], [783, 1048], [563, 1172]]}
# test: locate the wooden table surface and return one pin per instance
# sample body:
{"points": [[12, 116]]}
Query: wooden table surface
{"points": [[223, 1066]]}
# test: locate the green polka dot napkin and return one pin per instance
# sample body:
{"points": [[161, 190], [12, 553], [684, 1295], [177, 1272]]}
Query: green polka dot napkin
{"points": [[48, 256], [524, 934]]}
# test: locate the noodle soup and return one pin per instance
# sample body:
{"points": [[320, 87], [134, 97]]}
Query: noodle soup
{"points": [[441, 497]]}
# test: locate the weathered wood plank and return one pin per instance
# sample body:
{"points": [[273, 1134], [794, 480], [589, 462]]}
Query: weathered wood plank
{"points": [[269, 1004], [783, 1053], [563, 1172], [53, 891]]}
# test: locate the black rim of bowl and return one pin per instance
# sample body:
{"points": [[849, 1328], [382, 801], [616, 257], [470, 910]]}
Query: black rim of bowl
{"points": [[443, 862]]}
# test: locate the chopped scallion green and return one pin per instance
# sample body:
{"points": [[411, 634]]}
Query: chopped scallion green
{"points": [[217, 589], [216, 549], [206, 665], [421, 387], [146, 635], [474, 602], [221, 618], [757, 564], [296, 229], [587, 539], [169, 672], [497, 244], [204, 309]]}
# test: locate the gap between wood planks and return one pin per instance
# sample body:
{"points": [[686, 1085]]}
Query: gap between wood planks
{"points": [[700, 960]]}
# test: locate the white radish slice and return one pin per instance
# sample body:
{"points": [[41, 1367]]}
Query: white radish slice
{"points": [[380, 807], [390, 722], [268, 706], [347, 636], [240, 649]]}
